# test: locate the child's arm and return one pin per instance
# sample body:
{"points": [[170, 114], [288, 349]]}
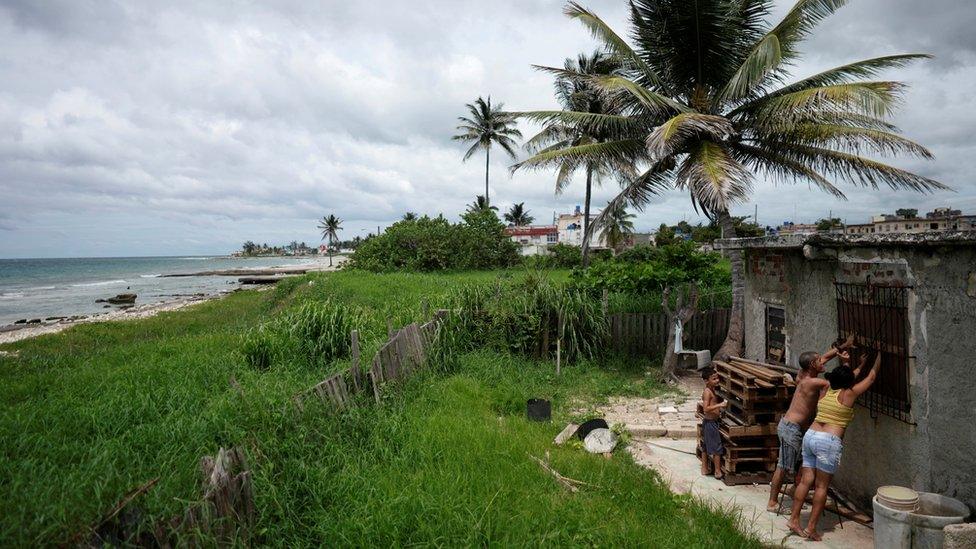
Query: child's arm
{"points": [[708, 402]]}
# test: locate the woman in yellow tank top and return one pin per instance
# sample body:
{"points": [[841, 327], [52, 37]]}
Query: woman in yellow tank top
{"points": [[823, 441]]}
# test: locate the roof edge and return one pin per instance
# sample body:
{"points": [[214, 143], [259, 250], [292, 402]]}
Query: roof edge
{"points": [[834, 240]]}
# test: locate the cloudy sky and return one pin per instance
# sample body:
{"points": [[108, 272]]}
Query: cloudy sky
{"points": [[156, 128]]}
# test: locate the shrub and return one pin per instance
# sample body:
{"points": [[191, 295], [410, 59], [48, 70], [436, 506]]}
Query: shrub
{"points": [[645, 270], [435, 244]]}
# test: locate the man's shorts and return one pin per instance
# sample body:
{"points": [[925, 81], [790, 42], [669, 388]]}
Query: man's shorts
{"points": [[790, 445], [822, 451]]}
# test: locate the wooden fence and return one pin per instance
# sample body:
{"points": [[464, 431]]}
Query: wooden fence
{"points": [[404, 353], [646, 334]]}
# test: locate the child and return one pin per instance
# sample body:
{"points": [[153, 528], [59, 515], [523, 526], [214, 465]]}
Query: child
{"points": [[712, 406]]}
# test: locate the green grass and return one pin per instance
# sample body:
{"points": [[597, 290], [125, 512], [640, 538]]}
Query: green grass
{"points": [[92, 412]]}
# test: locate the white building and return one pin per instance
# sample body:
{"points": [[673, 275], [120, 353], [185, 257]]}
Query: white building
{"points": [[570, 228], [534, 239]]}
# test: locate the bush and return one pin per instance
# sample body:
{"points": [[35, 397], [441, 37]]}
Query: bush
{"points": [[314, 334], [646, 270], [435, 244]]}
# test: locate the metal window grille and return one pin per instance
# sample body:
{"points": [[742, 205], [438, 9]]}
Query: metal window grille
{"points": [[878, 315]]}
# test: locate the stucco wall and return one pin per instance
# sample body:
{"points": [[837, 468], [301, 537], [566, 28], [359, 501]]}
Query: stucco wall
{"points": [[938, 454]]}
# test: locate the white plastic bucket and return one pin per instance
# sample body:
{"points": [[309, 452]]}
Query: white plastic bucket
{"points": [[922, 529]]}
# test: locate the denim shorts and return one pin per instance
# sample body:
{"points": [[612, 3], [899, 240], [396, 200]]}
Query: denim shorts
{"points": [[790, 445], [822, 451]]}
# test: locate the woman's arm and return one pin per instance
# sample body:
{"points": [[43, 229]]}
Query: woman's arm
{"points": [[861, 386]]}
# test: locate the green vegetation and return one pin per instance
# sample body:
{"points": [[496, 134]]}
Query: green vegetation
{"points": [[90, 413], [435, 244], [315, 334]]}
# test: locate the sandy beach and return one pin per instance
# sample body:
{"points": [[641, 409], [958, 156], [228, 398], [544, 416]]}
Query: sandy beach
{"points": [[16, 332]]}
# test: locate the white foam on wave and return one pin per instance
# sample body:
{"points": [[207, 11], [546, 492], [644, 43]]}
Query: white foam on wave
{"points": [[149, 276], [194, 258], [105, 283], [11, 295]]}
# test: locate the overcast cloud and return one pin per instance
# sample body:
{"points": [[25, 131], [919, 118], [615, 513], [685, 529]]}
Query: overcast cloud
{"points": [[188, 127]]}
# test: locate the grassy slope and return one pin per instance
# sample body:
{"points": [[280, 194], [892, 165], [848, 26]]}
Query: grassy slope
{"points": [[92, 412]]}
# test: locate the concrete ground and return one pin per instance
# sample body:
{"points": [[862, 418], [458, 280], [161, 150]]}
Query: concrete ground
{"points": [[676, 462], [663, 431]]}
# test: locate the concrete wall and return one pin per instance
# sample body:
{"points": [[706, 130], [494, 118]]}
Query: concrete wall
{"points": [[938, 453]]}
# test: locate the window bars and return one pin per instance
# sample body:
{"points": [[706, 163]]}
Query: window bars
{"points": [[879, 316]]}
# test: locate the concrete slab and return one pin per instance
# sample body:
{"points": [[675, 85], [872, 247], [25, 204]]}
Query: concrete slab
{"points": [[676, 462]]}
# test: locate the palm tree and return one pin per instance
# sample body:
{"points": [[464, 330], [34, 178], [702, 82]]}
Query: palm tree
{"points": [[575, 92], [330, 227], [410, 216], [488, 125], [709, 104], [481, 204], [518, 215], [617, 226]]}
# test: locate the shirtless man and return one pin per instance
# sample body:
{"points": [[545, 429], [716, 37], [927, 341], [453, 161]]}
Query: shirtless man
{"points": [[809, 389]]}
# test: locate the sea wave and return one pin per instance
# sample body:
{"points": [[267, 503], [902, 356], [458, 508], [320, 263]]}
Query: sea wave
{"points": [[11, 295], [150, 276], [105, 283], [195, 258]]}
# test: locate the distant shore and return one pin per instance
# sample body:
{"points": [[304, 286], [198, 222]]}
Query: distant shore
{"points": [[10, 333]]}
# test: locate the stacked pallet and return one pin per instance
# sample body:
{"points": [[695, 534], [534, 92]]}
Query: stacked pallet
{"points": [[758, 395]]}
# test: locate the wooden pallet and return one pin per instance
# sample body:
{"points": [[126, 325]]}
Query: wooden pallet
{"points": [[753, 405], [735, 479], [745, 417], [763, 464], [746, 391]]}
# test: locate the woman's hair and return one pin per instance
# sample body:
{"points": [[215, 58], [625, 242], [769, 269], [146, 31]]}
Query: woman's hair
{"points": [[841, 377]]}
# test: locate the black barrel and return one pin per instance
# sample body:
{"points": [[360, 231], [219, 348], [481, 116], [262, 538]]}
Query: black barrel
{"points": [[538, 409]]}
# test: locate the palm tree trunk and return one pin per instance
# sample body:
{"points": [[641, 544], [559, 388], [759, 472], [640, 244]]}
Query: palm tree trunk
{"points": [[487, 156], [330, 252], [586, 215], [734, 340]]}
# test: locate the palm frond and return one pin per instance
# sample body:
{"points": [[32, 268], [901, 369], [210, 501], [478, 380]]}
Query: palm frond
{"points": [[594, 122], [785, 169], [668, 138], [474, 148], [625, 150], [874, 99], [651, 100], [849, 138], [714, 177], [867, 68], [601, 31], [859, 170], [637, 192]]}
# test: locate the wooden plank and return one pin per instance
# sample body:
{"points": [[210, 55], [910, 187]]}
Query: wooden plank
{"points": [[354, 372], [375, 385]]}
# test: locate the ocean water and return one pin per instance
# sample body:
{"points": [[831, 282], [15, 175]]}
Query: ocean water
{"points": [[41, 288]]}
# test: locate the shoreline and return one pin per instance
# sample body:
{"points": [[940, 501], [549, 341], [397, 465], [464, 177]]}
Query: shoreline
{"points": [[10, 333]]}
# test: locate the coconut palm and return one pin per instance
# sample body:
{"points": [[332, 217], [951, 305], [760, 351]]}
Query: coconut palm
{"points": [[710, 104], [518, 215], [575, 92], [330, 227], [617, 225], [410, 216], [486, 126], [481, 204]]}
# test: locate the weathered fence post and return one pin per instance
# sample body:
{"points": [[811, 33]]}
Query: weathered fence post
{"points": [[681, 313], [355, 370], [560, 328], [605, 302]]}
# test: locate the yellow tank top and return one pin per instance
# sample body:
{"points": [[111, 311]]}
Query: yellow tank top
{"points": [[831, 412]]}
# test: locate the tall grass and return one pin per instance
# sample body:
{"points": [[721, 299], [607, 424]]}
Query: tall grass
{"points": [[314, 333], [528, 316]]}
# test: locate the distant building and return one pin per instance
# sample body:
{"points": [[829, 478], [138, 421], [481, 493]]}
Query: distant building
{"points": [[940, 219], [788, 227], [570, 228], [533, 239]]}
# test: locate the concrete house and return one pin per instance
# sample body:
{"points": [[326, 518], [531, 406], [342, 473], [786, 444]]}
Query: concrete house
{"points": [[915, 295]]}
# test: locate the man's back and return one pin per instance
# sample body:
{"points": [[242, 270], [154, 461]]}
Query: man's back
{"points": [[804, 404]]}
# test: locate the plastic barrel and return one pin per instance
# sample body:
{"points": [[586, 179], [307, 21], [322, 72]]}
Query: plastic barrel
{"points": [[922, 529]]}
